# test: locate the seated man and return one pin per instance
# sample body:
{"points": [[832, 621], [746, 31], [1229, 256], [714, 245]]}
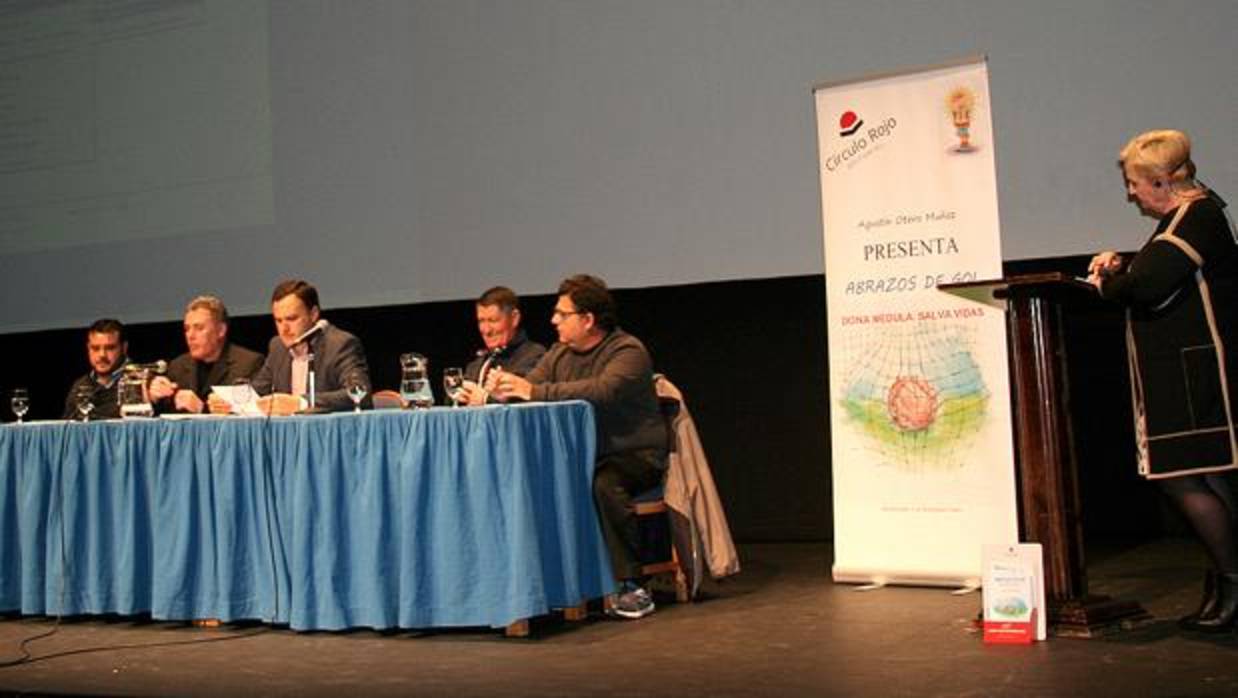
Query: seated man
{"points": [[211, 360], [108, 352], [507, 346], [596, 361], [338, 360]]}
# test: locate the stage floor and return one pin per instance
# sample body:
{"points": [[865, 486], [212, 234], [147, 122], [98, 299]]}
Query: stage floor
{"points": [[781, 628]]}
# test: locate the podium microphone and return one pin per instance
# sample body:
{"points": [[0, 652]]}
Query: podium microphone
{"points": [[159, 366]]}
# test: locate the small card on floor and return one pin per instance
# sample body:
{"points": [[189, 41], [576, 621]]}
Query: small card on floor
{"points": [[1014, 608]]}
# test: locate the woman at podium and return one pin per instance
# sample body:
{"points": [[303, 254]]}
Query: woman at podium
{"points": [[1180, 294]]}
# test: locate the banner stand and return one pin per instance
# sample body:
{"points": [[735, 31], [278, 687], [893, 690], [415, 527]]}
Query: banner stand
{"points": [[920, 430]]}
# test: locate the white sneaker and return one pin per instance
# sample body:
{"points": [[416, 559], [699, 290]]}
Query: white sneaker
{"points": [[632, 603]]}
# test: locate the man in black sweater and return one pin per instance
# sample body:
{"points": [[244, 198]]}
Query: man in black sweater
{"points": [[596, 361]]}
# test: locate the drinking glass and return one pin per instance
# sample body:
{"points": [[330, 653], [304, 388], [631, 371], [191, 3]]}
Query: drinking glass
{"points": [[84, 398], [356, 391], [243, 395], [20, 402], [453, 385]]}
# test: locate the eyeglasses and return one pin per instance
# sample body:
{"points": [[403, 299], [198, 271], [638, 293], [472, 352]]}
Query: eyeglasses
{"points": [[560, 314]]}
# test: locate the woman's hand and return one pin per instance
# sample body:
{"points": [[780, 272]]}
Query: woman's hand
{"points": [[1105, 263]]}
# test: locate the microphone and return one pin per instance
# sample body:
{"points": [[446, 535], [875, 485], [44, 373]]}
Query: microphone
{"points": [[488, 356], [310, 379], [315, 329], [159, 366]]}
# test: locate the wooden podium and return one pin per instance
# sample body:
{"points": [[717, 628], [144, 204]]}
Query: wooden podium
{"points": [[1044, 444]]}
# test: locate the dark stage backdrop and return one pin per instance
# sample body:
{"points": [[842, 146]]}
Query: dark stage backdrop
{"points": [[750, 358]]}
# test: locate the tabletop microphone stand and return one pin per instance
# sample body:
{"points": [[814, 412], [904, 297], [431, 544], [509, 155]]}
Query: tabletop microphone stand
{"points": [[309, 380]]}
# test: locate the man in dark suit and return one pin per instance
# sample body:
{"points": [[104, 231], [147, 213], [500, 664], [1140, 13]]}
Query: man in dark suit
{"points": [[308, 349], [211, 360]]}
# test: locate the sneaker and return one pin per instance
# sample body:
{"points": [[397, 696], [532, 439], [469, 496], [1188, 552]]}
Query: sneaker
{"points": [[632, 602]]}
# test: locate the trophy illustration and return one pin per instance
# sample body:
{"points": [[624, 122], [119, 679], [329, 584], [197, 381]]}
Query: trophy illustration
{"points": [[960, 103]]}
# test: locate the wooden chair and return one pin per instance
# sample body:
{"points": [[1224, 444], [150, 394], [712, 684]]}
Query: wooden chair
{"points": [[668, 540], [658, 549], [656, 523]]}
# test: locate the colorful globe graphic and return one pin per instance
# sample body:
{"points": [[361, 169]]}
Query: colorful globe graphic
{"points": [[914, 394], [912, 403]]}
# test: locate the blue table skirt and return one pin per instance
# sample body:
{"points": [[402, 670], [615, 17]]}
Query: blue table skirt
{"points": [[433, 518]]}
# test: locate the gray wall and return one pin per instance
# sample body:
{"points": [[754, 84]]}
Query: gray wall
{"points": [[425, 150]]}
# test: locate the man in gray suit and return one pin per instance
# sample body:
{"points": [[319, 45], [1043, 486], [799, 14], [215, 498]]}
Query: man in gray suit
{"points": [[307, 348]]}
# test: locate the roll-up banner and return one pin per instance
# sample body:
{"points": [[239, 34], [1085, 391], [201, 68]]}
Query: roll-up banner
{"points": [[923, 460]]}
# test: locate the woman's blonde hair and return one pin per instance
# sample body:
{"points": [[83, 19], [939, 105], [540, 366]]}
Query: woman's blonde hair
{"points": [[1164, 154]]}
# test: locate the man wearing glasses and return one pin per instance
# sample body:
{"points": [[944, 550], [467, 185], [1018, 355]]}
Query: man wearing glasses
{"points": [[597, 361]]}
